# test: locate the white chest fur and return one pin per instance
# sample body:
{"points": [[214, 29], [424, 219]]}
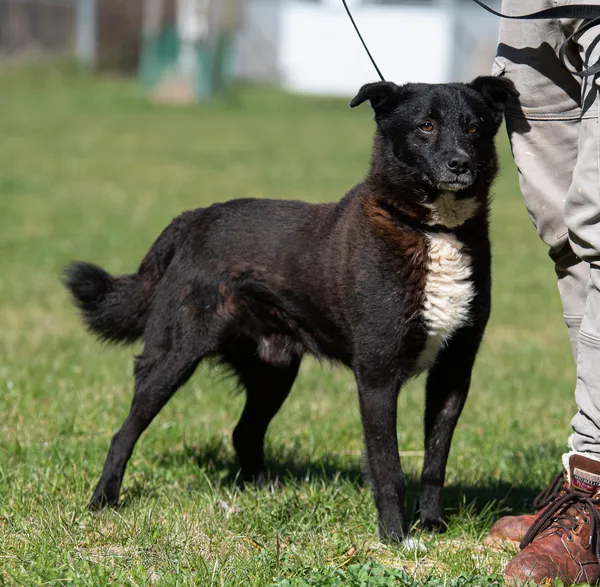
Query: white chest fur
{"points": [[449, 291], [451, 212]]}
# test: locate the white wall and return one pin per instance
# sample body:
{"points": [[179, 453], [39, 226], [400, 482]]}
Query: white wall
{"points": [[258, 41], [320, 53], [476, 34]]}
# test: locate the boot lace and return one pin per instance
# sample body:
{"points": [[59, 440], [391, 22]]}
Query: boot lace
{"points": [[548, 494], [558, 515]]}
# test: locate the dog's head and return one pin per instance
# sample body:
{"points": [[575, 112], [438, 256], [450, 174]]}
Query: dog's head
{"points": [[438, 135]]}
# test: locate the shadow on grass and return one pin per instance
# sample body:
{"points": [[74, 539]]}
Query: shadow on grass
{"points": [[488, 497], [217, 460]]}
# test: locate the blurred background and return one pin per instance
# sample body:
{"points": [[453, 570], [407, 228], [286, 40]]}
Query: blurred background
{"points": [[117, 115], [188, 50]]}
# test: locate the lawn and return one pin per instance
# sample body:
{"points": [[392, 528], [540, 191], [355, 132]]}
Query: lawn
{"points": [[90, 170]]}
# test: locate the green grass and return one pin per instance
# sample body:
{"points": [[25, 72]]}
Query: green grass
{"points": [[90, 170]]}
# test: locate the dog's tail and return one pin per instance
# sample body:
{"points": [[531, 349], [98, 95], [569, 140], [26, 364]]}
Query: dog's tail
{"points": [[116, 309]]}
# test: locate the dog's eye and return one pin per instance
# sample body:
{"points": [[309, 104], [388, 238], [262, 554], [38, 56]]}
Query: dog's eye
{"points": [[426, 126], [472, 129]]}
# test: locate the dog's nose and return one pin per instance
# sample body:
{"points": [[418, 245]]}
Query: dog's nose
{"points": [[459, 163]]}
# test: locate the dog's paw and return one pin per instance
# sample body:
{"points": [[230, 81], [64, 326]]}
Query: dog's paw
{"points": [[433, 524], [102, 499], [261, 480], [393, 536]]}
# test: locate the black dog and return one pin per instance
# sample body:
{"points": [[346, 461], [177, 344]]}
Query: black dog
{"points": [[392, 280]]}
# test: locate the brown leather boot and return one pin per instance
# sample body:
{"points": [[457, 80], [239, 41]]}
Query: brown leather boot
{"points": [[512, 529], [563, 541]]}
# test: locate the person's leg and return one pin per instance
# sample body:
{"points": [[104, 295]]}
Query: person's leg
{"points": [[545, 152], [543, 127], [562, 543], [582, 216]]}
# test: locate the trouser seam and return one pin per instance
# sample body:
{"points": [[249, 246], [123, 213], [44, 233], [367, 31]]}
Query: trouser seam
{"points": [[590, 338], [572, 318]]}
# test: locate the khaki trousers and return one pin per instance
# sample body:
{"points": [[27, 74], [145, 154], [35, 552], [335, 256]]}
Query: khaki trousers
{"points": [[554, 129]]}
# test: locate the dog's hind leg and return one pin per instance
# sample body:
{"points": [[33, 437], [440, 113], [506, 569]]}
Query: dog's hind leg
{"points": [[267, 386], [172, 352], [157, 379], [447, 388]]}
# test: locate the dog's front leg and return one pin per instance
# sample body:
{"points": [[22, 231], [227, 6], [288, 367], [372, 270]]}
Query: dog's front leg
{"points": [[447, 388], [378, 405]]}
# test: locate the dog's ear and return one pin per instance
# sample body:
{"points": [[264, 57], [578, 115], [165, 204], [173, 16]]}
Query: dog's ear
{"points": [[384, 96], [496, 91]]}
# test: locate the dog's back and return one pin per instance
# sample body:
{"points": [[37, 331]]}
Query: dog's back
{"points": [[261, 266]]}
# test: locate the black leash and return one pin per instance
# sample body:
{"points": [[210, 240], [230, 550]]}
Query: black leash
{"points": [[588, 12], [363, 41]]}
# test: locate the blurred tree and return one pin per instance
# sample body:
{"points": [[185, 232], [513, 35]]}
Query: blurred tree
{"points": [[229, 22], [191, 58]]}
